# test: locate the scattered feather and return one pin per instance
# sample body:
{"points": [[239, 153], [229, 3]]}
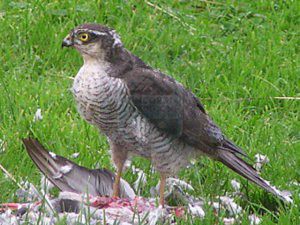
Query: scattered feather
{"points": [[254, 220], [284, 195], [216, 205], [171, 182], [75, 155], [53, 155], [294, 183], [7, 218], [230, 205], [38, 115], [140, 181], [156, 215], [176, 192], [228, 221], [236, 185], [126, 188], [260, 161], [196, 210]]}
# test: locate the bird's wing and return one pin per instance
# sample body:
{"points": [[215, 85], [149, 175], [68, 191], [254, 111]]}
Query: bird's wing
{"points": [[172, 108], [175, 110], [68, 176]]}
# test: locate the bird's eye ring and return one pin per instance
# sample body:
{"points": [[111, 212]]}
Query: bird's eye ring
{"points": [[84, 37]]}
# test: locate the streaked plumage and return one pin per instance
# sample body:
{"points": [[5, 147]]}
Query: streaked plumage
{"points": [[143, 111]]}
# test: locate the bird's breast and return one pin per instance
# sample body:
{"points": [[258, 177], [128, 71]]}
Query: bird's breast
{"points": [[101, 100]]}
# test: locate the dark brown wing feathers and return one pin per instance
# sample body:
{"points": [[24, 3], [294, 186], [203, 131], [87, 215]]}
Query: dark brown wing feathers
{"points": [[175, 110], [172, 108]]}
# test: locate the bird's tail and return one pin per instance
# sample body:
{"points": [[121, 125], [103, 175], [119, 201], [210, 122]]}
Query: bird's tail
{"points": [[232, 160]]}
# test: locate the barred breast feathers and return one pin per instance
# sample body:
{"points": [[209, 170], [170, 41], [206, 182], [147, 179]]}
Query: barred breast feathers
{"points": [[97, 94]]}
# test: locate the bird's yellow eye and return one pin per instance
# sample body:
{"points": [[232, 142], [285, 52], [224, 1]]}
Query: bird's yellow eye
{"points": [[84, 37]]}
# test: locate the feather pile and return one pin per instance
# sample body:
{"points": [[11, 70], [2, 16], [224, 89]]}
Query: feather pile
{"points": [[83, 197]]}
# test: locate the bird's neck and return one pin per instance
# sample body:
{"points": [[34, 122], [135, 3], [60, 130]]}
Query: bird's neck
{"points": [[117, 63], [95, 61]]}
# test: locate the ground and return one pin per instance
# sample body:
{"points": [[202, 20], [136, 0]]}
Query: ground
{"points": [[241, 58]]}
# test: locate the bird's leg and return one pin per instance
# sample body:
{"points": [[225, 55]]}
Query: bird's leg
{"points": [[162, 189], [116, 186], [119, 156]]}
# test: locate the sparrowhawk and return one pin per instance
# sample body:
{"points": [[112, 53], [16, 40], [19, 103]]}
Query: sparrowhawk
{"points": [[144, 112]]}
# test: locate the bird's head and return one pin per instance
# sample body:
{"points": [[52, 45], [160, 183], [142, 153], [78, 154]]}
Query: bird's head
{"points": [[93, 41]]}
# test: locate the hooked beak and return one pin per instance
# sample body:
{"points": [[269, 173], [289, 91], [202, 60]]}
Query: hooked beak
{"points": [[67, 42]]}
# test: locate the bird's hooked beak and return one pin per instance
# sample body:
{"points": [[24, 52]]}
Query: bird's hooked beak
{"points": [[67, 42]]}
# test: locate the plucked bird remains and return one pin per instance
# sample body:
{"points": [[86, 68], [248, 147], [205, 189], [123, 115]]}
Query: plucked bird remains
{"points": [[70, 177], [145, 112]]}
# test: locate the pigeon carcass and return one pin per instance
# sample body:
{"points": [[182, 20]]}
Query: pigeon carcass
{"points": [[82, 190], [68, 176]]}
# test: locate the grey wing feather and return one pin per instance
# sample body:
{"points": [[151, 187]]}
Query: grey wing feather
{"points": [[78, 179]]}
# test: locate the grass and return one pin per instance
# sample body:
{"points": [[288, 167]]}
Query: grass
{"points": [[234, 55]]}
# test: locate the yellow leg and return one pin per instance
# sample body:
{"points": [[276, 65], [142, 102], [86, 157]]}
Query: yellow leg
{"points": [[162, 189], [116, 186], [119, 156]]}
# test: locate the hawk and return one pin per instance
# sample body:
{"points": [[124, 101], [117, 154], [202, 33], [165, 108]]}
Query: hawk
{"points": [[144, 112]]}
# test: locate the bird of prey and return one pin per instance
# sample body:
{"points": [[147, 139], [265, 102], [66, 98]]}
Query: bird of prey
{"points": [[144, 112]]}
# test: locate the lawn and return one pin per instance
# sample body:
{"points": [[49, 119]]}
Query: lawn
{"points": [[241, 58]]}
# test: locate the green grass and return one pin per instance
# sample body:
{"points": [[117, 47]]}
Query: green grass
{"points": [[237, 57]]}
